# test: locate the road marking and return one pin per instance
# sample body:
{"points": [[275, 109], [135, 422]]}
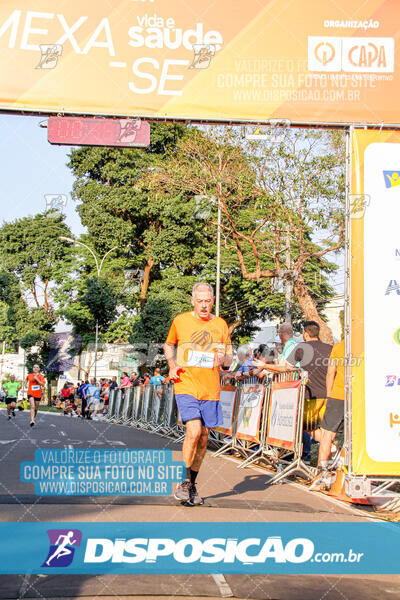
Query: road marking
{"points": [[223, 586], [115, 63], [8, 441]]}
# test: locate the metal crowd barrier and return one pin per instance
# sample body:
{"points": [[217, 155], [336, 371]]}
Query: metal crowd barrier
{"points": [[153, 408], [286, 461]]}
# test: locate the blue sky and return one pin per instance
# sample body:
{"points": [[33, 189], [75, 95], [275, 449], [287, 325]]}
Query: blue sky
{"points": [[31, 168]]}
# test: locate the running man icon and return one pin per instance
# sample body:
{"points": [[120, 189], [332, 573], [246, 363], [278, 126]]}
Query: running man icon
{"points": [[61, 551]]}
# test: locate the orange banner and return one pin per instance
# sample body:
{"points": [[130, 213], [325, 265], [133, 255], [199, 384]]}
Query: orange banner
{"points": [[304, 62]]}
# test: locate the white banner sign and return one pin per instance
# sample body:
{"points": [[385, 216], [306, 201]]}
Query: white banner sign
{"points": [[250, 406], [227, 402], [382, 301], [283, 411]]}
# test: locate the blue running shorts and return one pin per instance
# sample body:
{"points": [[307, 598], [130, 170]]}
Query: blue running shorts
{"points": [[208, 411]]}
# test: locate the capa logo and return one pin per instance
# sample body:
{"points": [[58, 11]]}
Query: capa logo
{"points": [[368, 55], [351, 55], [62, 547], [191, 550]]}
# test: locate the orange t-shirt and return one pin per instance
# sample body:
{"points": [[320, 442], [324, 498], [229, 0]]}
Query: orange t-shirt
{"points": [[337, 358], [34, 388], [197, 354]]}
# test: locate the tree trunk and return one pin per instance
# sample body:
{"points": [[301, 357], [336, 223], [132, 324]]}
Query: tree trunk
{"points": [[235, 324], [145, 282], [310, 310]]}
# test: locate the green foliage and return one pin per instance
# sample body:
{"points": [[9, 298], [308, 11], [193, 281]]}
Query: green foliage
{"points": [[100, 301], [31, 249], [120, 331], [13, 310], [277, 202], [153, 323]]}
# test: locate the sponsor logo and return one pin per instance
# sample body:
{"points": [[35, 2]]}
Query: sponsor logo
{"points": [[393, 287], [350, 54], [392, 178], [62, 547], [190, 550], [397, 336], [392, 380]]}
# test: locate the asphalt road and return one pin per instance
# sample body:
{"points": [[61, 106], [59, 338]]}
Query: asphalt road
{"points": [[231, 494]]}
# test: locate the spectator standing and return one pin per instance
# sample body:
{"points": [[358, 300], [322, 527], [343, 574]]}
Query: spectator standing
{"points": [[157, 378], [125, 381], [334, 412], [113, 384], [246, 366], [313, 356]]}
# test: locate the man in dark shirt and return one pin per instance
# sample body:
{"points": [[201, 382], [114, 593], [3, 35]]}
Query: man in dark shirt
{"points": [[113, 384], [313, 357]]}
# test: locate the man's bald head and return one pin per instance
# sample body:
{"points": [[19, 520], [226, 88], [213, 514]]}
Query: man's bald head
{"points": [[285, 332], [202, 300]]}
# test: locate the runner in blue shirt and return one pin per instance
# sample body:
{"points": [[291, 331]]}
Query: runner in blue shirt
{"points": [[92, 393]]}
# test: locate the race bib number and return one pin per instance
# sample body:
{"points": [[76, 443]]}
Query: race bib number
{"points": [[35, 388], [197, 358]]}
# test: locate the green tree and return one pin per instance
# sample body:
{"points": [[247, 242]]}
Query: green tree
{"points": [[116, 213], [13, 310], [30, 248], [34, 262], [100, 301], [275, 200]]}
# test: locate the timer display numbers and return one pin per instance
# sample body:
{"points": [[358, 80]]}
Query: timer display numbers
{"points": [[85, 131]]}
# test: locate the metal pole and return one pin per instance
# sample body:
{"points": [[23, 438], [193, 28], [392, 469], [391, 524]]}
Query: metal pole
{"points": [[347, 306], [23, 373], [218, 282], [289, 283], [95, 350], [2, 358]]}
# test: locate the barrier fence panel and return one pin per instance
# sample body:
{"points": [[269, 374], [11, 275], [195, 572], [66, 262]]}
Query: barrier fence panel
{"points": [[144, 417], [117, 406], [239, 441], [137, 405], [111, 404], [261, 421], [285, 426], [127, 407], [170, 411]]}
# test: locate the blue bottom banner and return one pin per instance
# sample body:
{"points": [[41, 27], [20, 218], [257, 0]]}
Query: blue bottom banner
{"points": [[126, 548]]}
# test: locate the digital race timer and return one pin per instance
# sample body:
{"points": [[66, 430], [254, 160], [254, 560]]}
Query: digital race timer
{"points": [[85, 131]]}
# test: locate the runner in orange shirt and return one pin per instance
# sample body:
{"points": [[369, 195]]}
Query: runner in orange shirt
{"points": [[203, 344], [36, 383]]}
